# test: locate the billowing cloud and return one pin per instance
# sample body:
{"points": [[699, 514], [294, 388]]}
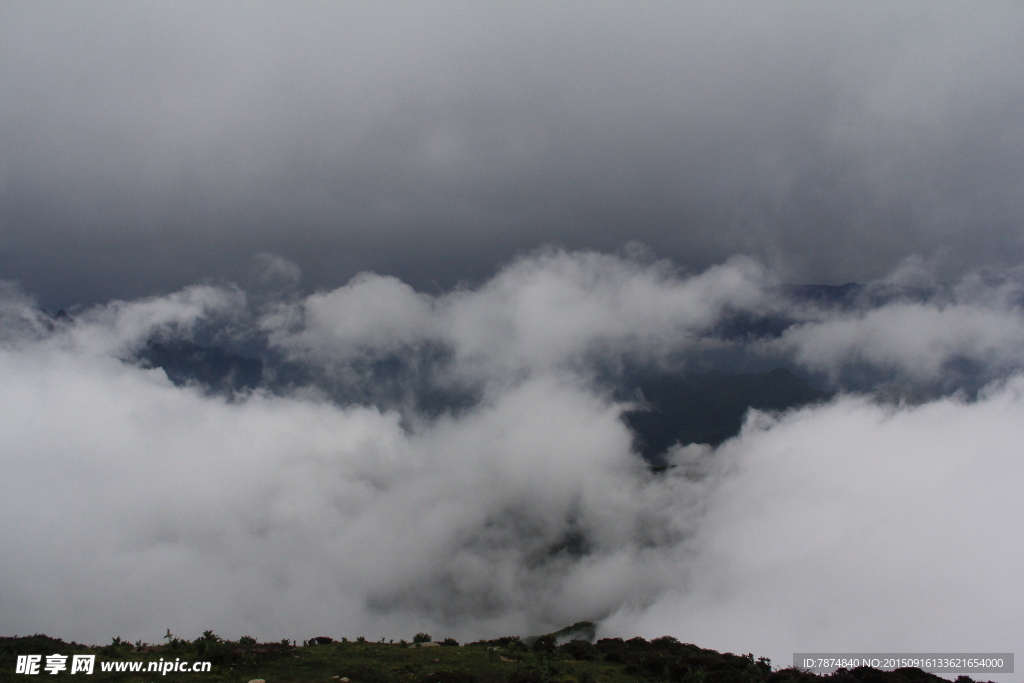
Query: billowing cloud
{"points": [[960, 334], [192, 508], [917, 339], [135, 504], [853, 527], [543, 312]]}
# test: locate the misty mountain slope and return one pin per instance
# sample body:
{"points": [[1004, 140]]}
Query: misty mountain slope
{"points": [[859, 295], [709, 408], [689, 408], [818, 299], [212, 367], [408, 384]]}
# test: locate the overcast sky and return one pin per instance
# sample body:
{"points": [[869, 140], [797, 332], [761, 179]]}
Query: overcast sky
{"points": [[512, 200], [148, 146]]}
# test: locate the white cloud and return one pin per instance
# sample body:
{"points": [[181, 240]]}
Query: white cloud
{"points": [[121, 327], [274, 515], [541, 313], [915, 339], [134, 505], [372, 313], [856, 528]]}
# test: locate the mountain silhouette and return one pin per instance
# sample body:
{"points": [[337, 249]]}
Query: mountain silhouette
{"points": [[210, 366], [708, 408]]}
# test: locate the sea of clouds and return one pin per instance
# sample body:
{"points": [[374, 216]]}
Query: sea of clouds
{"points": [[886, 519]]}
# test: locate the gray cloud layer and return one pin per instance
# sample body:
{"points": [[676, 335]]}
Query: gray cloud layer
{"points": [[133, 505], [379, 179], [147, 147]]}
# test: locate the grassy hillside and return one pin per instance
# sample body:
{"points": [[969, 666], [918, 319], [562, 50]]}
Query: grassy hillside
{"points": [[506, 660]]}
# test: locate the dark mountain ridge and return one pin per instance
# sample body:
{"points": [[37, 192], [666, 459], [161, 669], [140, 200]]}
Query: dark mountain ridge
{"points": [[674, 408], [212, 367], [709, 408]]}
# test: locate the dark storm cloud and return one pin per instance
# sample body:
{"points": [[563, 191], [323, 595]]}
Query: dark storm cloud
{"points": [[145, 147]]}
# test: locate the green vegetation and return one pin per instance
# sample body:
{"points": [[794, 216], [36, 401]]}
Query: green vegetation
{"points": [[505, 660]]}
